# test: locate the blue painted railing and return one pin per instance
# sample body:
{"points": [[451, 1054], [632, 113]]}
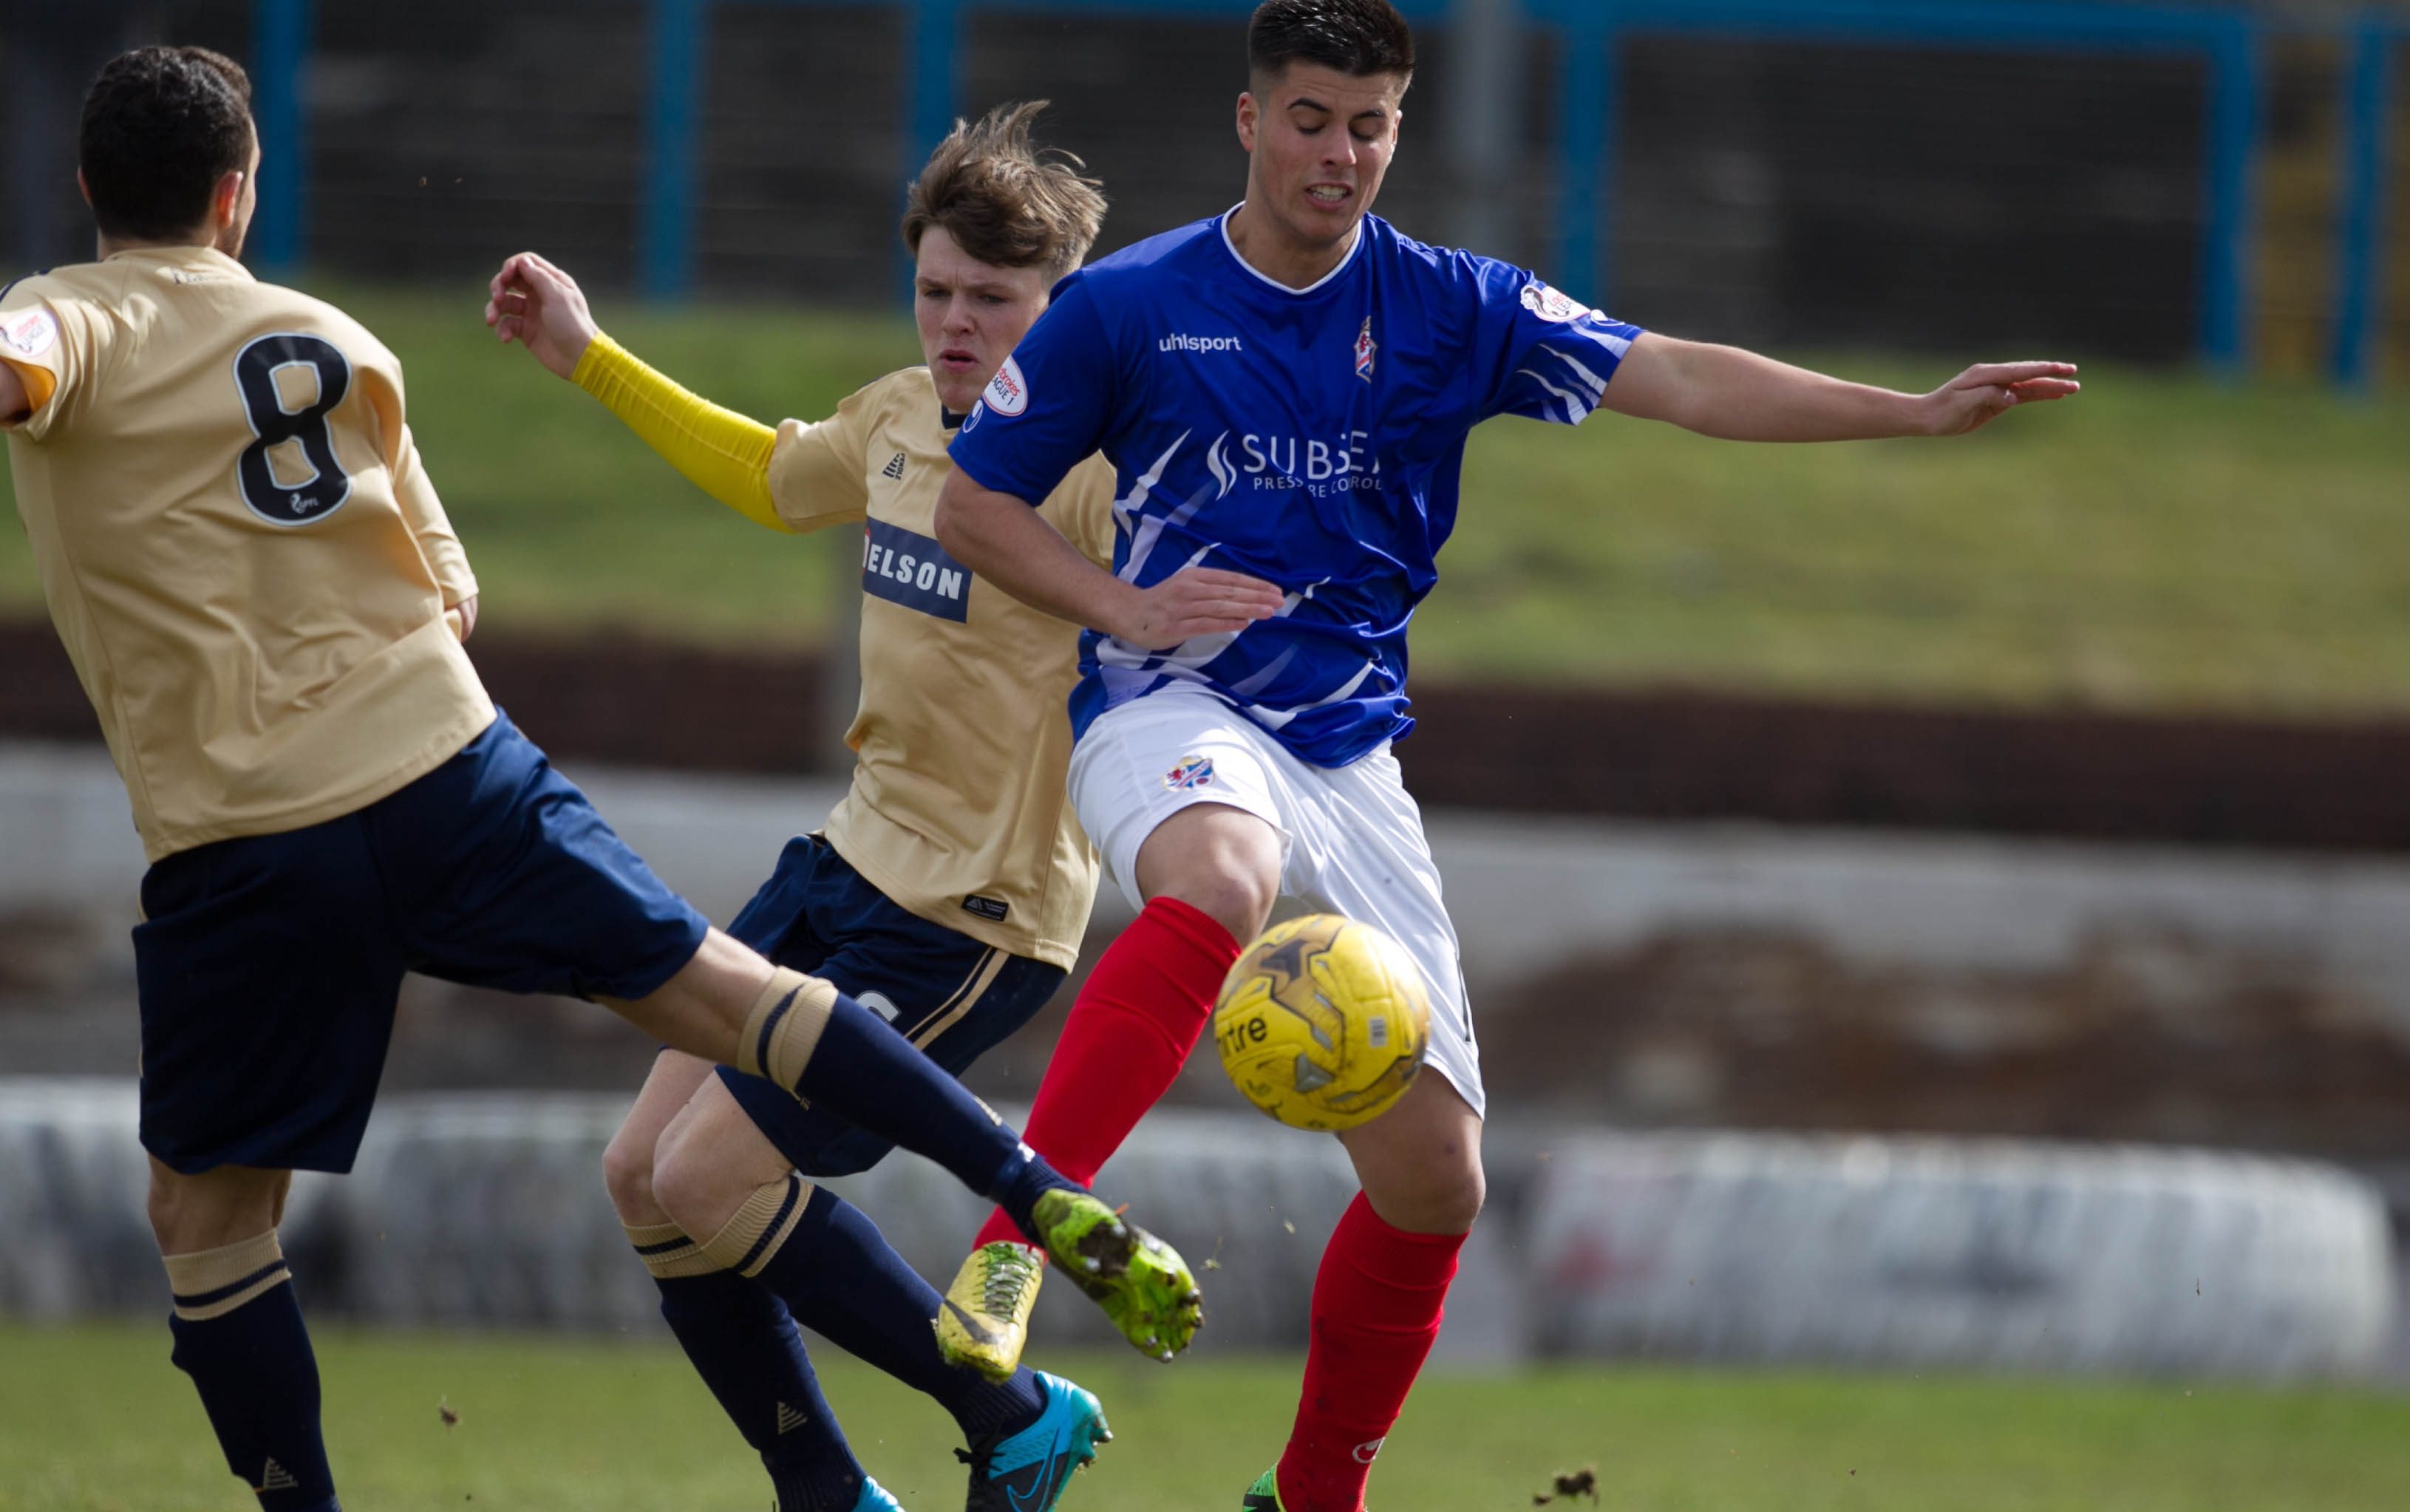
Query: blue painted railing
{"points": [[2361, 236], [2229, 42]]}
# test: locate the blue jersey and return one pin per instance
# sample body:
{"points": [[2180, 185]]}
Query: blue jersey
{"points": [[1309, 436]]}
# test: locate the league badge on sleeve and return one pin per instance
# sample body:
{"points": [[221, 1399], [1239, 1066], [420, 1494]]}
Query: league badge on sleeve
{"points": [[1548, 304], [1365, 348], [29, 333], [1008, 392]]}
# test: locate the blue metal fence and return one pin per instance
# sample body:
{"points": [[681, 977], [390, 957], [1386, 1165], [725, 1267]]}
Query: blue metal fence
{"points": [[2230, 43]]}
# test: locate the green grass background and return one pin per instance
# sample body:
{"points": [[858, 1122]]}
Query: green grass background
{"points": [[93, 1419], [2163, 541]]}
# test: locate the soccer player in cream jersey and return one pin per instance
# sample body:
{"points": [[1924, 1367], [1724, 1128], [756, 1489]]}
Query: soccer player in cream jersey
{"points": [[261, 595], [1284, 390], [950, 886]]}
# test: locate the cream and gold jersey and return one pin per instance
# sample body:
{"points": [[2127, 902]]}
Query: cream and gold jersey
{"points": [[237, 543], [958, 811]]}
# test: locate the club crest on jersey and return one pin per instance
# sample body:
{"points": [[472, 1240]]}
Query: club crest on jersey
{"points": [[1193, 772], [30, 332], [1365, 349], [1008, 392], [1548, 304]]}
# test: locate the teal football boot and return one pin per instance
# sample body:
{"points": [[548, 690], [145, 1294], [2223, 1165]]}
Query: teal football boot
{"points": [[873, 1498], [1029, 1471]]}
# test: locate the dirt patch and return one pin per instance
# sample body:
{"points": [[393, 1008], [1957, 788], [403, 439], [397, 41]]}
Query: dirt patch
{"points": [[2143, 1035]]}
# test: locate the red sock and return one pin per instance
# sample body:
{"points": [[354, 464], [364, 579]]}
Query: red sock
{"points": [[1130, 1031], [1377, 1302]]}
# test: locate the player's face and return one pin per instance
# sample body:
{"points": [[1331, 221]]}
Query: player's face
{"points": [[970, 314], [1320, 141]]}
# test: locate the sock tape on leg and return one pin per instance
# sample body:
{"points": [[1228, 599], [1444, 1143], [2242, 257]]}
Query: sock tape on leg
{"points": [[748, 1241], [785, 1026], [667, 1251], [213, 1283]]}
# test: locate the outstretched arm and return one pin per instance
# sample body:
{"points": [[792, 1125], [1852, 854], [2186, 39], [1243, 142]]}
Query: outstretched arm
{"points": [[724, 454], [1734, 394], [1002, 539]]}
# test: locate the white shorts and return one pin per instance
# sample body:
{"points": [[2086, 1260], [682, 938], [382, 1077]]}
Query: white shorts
{"points": [[1352, 840]]}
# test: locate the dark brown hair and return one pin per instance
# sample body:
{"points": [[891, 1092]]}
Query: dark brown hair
{"points": [[1002, 199], [161, 126], [1360, 38]]}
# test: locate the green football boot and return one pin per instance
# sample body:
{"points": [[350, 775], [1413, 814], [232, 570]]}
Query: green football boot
{"points": [[1140, 1282], [983, 1323], [1264, 1495]]}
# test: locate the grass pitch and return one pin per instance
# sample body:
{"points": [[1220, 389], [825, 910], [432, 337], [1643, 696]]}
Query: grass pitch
{"points": [[93, 1419], [2162, 542]]}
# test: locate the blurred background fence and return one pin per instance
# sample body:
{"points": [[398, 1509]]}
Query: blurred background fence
{"points": [[2219, 180]]}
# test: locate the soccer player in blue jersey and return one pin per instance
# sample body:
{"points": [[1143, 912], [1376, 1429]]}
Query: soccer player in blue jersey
{"points": [[1285, 390]]}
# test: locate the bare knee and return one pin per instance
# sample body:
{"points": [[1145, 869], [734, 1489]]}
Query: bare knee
{"points": [[1443, 1200], [628, 1173], [681, 1180], [628, 1160], [190, 1214], [1223, 862], [1420, 1162], [709, 1160], [1238, 902]]}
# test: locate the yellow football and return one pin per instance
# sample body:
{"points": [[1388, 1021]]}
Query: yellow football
{"points": [[1323, 1022]]}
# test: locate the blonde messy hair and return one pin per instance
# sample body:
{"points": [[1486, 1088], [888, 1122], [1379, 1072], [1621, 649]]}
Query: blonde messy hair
{"points": [[1003, 200]]}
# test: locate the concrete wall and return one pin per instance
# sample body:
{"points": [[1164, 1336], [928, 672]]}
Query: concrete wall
{"points": [[486, 1210]]}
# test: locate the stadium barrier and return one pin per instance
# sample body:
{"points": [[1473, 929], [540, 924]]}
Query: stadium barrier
{"points": [[487, 1210], [1953, 1254]]}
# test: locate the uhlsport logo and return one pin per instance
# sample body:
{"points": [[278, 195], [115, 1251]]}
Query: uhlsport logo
{"points": [[1183, 341], [1193, 772], [1365, 349], [1008, 392], [1548, 304], [1367, 1453]]}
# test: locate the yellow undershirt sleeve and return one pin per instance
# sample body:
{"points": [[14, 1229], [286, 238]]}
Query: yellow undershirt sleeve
{"points": [[724, 454]]}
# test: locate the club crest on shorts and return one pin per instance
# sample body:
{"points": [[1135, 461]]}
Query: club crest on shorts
{"points": [[1365, 348], [1192, 773]]}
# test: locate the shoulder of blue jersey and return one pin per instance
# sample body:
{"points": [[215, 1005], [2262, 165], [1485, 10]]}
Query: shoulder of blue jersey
{"points": [[1162, 247]]}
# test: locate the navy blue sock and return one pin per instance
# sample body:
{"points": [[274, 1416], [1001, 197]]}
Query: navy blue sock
{"points": [[863, 1072], [240, 1337], [744, 1344], [840, 1279]]}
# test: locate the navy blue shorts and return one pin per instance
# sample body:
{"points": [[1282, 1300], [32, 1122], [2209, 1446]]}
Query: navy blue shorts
{"points": [[268, 965], [951, 996]]}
